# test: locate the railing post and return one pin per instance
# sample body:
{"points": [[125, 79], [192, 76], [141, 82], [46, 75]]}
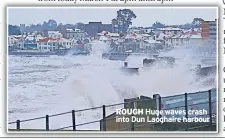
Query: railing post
{"points": [[186, 105], [160, 106], [47, 123], [154, 97], [186, 108], [74, 120], [157, 99], [210, 109], [132, 123], [103, 120], [18, 124]]}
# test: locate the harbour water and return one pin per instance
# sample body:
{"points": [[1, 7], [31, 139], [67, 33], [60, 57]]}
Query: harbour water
{"points": [[49, 85]]}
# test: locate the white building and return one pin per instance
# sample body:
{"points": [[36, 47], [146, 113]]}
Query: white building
{"points": [[54, 34], [147, 31], [149, 44], [38, 37], [167, 30], [185, 39], [76, 34], [12, 41], [103, 33], [136, 31], [30, 37], [147, 36], [110, 36], [173, 41], [52, 44], [113, 35]]}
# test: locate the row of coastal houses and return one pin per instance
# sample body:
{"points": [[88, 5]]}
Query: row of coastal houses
{"points": [[169, 36], [168, 40], [52, 41]]}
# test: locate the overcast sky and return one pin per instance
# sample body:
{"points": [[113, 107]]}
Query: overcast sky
{"points": [[145, 16]]}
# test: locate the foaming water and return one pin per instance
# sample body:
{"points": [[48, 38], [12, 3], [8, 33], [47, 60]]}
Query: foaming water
{"points": [[58, 84]]}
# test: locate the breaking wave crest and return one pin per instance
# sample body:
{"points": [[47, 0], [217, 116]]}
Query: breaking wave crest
{"points": [[78, 82]]}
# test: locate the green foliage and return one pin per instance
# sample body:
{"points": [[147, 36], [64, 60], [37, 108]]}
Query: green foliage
{"points": [[123, 20], [158, 25], [197, 21], [13, 30]]}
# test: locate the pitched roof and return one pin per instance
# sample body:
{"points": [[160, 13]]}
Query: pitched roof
{"points": [[48, 39], [133, 36]]}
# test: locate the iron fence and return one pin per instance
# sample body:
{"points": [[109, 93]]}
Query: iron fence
{"points": [[188, 101]]}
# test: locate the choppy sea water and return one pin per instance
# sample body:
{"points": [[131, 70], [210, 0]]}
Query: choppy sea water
{"points": [[38, 86]]}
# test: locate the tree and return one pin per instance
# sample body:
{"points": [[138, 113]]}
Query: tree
{"points": [[44, 26], [69, 26], [80, 26], [197, 21], [13, 30], [52, 24], [187, 26], [123, 20], [62, 29], [158, 25]]}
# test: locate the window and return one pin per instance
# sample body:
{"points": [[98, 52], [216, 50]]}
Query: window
{"points": [[212, 24], [212, 33], [45, 43], [212, 29]]}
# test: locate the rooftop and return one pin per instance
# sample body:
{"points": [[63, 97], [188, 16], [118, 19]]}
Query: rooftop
{"points": [[48, 39]]}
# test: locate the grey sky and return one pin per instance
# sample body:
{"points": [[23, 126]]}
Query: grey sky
{"points": [[145, 16]]}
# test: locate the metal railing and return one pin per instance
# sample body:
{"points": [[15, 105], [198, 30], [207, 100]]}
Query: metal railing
{"points": [[159, 105]]}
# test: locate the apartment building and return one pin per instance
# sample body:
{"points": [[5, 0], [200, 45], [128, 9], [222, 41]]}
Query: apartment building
{"points": [[209, 29], [92, 28], [76, 34]]}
